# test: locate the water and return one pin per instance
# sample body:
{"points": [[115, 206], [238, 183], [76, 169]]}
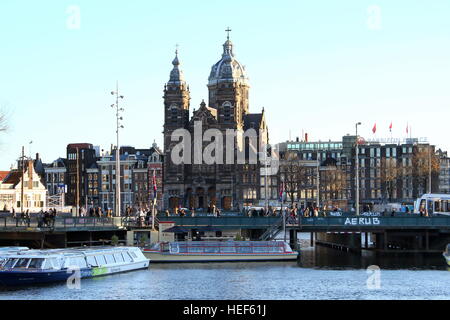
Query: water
{"points": [[322, 273]]}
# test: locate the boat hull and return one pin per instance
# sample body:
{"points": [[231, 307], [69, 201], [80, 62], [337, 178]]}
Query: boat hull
{"points": [[19, 278], [160, 257]]}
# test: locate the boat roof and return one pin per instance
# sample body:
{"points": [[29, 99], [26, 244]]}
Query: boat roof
{"points": [[67, 252], [13, 248]]}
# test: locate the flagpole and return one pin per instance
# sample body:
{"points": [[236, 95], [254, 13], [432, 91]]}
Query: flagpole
{"points": [[154, 201]]}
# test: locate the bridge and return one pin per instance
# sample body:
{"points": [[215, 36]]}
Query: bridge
{"points": [[316, 224], [63, 232], [405, 232]]}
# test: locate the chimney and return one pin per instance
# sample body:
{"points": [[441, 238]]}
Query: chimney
{"points": [[306, 137]]}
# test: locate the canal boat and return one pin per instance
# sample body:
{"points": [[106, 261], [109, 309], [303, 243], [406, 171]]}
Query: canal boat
{"points": [[446, 254], [43, 266], [220, 251]]}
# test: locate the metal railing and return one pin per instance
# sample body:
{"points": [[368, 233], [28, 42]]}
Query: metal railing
{"points": [[9, 223]]}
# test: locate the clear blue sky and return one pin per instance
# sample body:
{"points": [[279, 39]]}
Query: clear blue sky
{"points": [[314, 65]]}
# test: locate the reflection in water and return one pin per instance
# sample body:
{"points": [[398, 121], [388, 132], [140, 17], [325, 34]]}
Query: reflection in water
{"points": [[327, 258], [321, 273]]}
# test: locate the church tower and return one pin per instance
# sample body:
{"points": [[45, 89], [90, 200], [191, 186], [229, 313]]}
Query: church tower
{"points": [[176, 116], [228, 88], [176, 99]]}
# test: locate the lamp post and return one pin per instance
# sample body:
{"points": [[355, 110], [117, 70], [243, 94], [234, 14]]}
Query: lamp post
{"points": [[357, 169], [118, 127]]}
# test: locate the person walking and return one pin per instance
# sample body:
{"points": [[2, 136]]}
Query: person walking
{"points": [[27, 217], [40, 219], [53, 217]]}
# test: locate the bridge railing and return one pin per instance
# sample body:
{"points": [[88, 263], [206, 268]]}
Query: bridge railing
{"points": [[7, 223], [225, 221]]}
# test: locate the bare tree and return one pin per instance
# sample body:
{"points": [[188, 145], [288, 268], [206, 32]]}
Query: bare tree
{"points": [[333, 185], [424, 160], [294, 174], [391, 171]]}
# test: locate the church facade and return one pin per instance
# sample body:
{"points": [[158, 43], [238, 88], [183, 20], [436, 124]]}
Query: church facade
{"points": [[228, 184]]}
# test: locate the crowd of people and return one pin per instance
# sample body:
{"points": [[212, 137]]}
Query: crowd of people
{"points": [[143, 216], [44, 218], [183, 212]]}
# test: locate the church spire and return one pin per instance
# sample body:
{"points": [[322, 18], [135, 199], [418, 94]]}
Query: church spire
{"points": [[176, 75]]}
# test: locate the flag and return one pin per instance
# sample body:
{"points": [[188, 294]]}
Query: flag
{"points": [[155, 187], [281, 191], [390, 127], [407, 128], [374, 129]]}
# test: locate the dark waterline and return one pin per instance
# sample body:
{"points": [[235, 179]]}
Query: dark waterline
{"points": [[322, 273]]}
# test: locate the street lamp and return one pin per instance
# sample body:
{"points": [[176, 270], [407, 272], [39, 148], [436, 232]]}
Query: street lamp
{"points": [[357, 169], [118, 126]]}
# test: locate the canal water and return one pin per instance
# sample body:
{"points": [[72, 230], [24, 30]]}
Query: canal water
{"points": [[321, 273]]}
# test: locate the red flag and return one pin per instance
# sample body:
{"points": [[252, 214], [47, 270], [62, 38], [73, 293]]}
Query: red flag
{"points": [[390, 127], [281, 191], [407, 128], [155, 188], [374, 128]]}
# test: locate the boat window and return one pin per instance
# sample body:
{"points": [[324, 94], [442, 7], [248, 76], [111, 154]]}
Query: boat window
{"points": [[100, 260], [57, 262], [91, 261], [71, 263], [118, 257], [228, 248], [109, 258], [36, 263], [22, 263], [48, 264], [10, 263], [212, 249], [133, 254], [127, 257], [82, 262]]}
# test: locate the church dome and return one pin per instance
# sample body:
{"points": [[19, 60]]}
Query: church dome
{"points": [[227, 69]]}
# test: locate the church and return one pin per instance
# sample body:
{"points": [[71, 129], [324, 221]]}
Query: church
{"points": [[228, 186]]}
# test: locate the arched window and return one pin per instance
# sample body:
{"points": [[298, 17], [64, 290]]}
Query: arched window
{"points": [[226, 111]]}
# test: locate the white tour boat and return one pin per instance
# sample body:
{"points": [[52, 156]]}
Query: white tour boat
{"points": [[220, 251], [41, 266]]}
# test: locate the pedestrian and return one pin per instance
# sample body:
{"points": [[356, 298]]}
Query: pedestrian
{"points": [[28, 217], [53, 217], [40, 218]]}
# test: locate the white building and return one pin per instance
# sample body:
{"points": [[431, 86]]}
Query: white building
{"points": [[34, 191]]}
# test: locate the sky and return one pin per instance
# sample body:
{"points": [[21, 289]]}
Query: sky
{"points": [[315, 66]]}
